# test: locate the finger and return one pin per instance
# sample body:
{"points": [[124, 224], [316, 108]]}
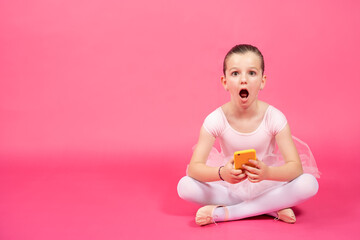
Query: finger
{"points": [[252, 169], [243, 176], [254, 180], [251, 175], [256, 163], [240, 176], [250, 179], [236, 171]]}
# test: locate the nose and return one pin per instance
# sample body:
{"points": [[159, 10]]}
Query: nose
{"points": [[243, 79]]}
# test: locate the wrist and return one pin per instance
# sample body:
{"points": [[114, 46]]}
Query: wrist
{"points": [[269, 174], [219, 173]]}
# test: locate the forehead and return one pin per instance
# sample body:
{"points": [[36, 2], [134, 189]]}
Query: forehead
{"points": [[239, 60]]}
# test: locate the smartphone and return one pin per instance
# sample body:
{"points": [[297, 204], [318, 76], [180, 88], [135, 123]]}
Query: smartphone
{"points": [[243, 157]]}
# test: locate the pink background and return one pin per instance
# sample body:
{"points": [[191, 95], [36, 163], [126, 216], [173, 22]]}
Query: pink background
{"points": [[99, 98]]}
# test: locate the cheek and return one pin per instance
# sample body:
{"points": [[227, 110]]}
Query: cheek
{"points": [[234, 81], [233, 86], [256, 83]]}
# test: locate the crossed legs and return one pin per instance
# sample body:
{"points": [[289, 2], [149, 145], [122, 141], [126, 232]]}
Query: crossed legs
{"points": [[284, 196]]}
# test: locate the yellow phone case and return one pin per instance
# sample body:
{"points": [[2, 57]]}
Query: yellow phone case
{"points": [[243, 157]]}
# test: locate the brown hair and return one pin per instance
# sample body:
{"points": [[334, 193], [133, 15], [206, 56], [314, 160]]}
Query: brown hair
{"points": [[242, 49]]}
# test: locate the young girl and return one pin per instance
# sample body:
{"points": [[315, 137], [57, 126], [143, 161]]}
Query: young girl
{"points": [[277, 182]]}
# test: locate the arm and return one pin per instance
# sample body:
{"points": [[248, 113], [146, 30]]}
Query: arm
{"points": [[292, 167], [201, 172], [288, 171]]}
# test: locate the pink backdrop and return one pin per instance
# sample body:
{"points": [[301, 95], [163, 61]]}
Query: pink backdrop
{"points": [[110, 77], [133, 78]]}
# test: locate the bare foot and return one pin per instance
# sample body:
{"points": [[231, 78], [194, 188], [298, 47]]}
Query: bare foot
{"points": [[287, 215]]}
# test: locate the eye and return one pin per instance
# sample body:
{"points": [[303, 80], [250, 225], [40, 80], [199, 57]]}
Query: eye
{"points": [[234, 74], [252, 73]]}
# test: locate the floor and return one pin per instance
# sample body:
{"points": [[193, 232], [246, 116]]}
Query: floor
{"points": [[68, 197]]}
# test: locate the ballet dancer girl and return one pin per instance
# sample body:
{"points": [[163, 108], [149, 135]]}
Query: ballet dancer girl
{"points": [[281, 179]]}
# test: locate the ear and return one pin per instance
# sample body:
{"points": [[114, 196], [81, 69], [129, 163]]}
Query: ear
{"points": [[263, 82], [224, 83]]}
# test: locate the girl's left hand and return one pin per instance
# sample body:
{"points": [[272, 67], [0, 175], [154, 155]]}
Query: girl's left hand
{"points": [[258, 173]]}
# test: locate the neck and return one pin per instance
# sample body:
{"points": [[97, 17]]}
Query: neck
{"points": [[245, 112]]}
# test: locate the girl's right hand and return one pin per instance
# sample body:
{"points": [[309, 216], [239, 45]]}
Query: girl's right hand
{"points": [[230, 174]]}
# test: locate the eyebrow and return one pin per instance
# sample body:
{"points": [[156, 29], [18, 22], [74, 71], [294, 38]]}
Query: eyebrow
{"points": [[235, 68]]}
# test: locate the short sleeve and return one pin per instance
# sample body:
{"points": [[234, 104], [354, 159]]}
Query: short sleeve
{"points": [[214, 123], [275, 120]]}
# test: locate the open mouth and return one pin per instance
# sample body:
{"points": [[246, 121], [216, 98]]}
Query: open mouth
{"points": [[244, 93]]}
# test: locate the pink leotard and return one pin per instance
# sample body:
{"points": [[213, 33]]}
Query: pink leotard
{"points": [[262, 139]]}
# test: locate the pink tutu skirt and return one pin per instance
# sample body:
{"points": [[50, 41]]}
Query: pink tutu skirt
{"points": [[247, 190]]}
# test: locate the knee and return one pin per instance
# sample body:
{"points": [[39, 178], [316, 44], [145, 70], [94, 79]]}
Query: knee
{"points": [[185, 188], [307, 186]]}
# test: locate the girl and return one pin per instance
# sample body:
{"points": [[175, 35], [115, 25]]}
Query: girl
{"points": [[277, 182]]}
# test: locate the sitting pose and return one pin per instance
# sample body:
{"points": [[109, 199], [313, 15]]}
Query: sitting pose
{"points": [[282, 176]]}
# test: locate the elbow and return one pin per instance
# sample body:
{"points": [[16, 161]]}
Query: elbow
{"points": [[190, 171], [299, 171], [195, 171], [295, 171]]}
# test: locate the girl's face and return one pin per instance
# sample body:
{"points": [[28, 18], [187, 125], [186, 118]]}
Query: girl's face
{"points": [[243, 78]]}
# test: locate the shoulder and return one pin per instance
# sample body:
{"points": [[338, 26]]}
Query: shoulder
{"points": [[215, 122], [274, 111], [275, 120], [263, 107]]}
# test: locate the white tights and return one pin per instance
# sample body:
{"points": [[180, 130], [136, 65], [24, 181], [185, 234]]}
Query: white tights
{"points": [[284, 196]]}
